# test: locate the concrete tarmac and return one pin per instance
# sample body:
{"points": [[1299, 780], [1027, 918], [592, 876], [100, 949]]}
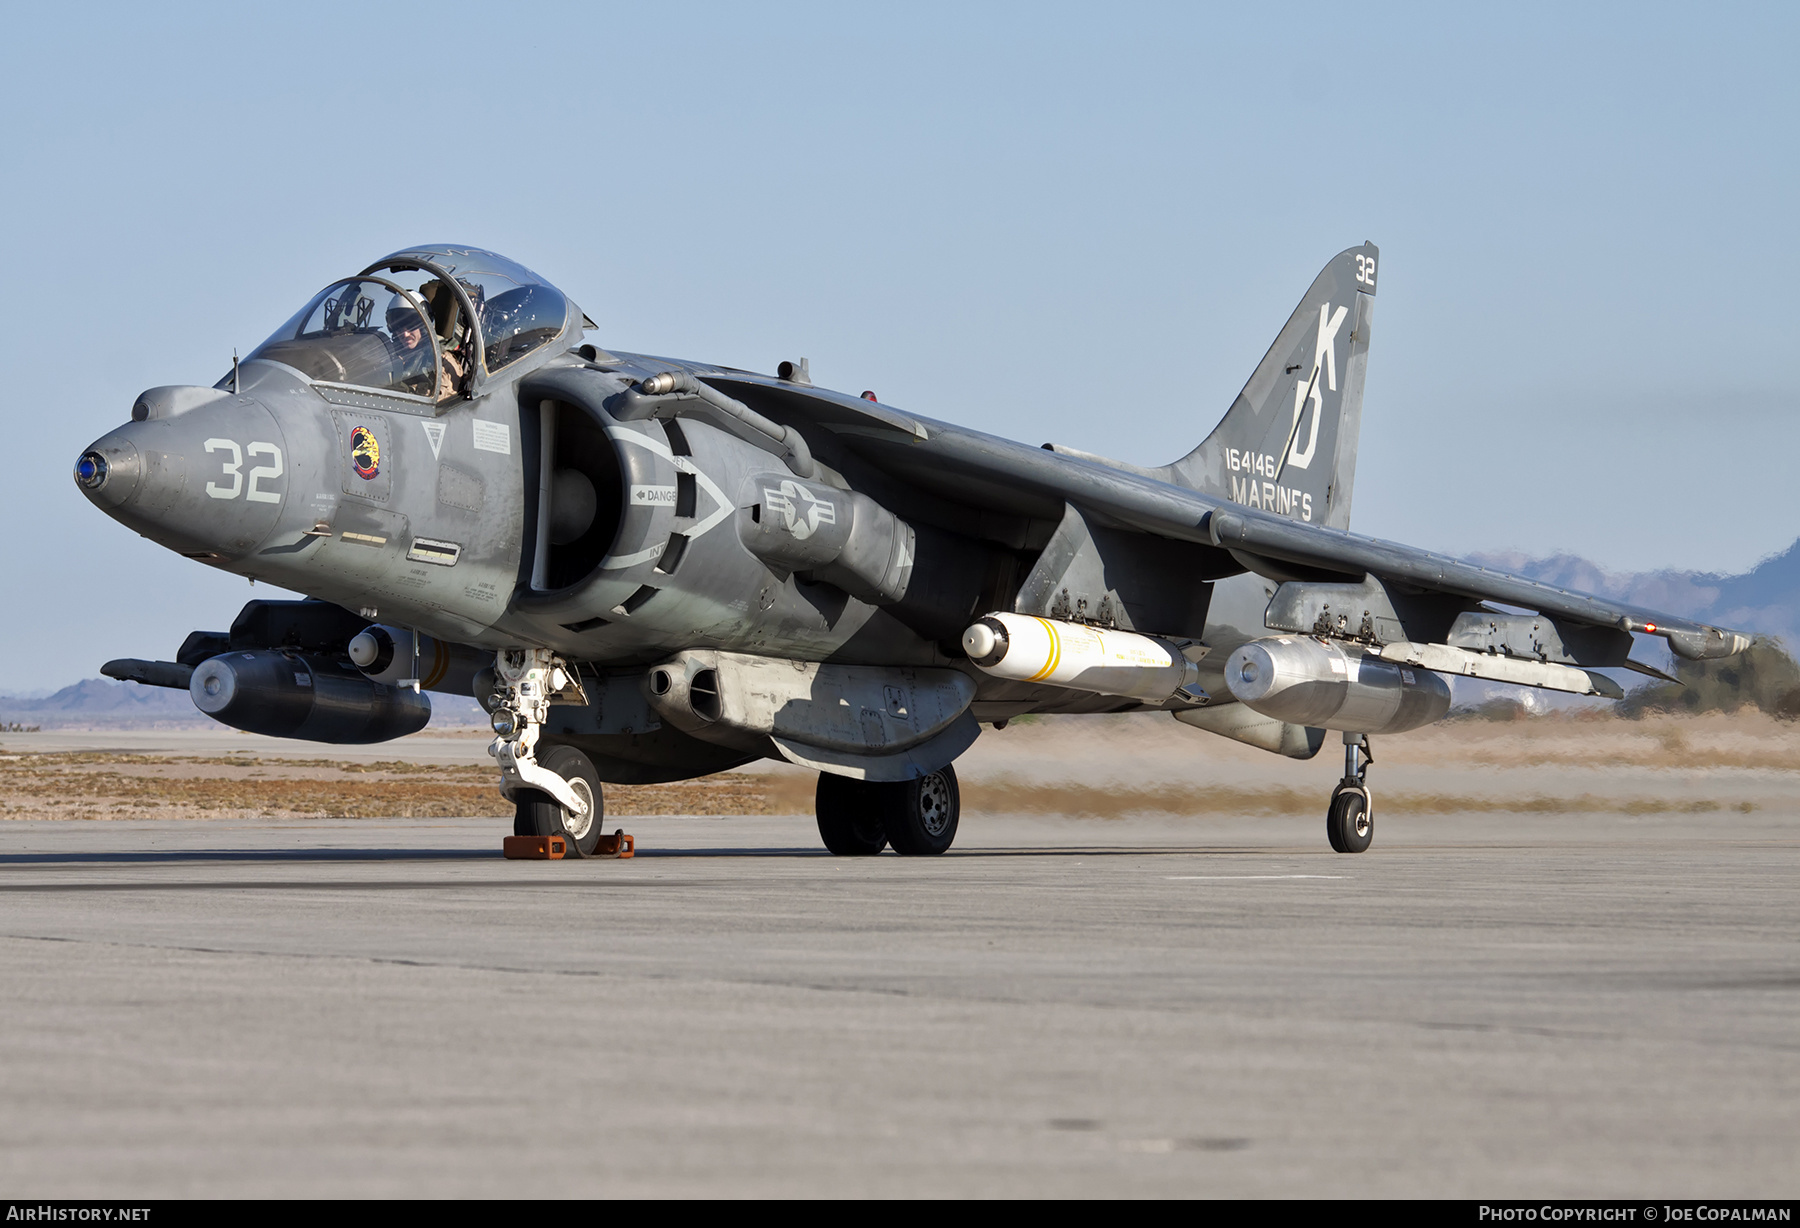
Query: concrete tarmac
{"points": [[1499, 1006]]}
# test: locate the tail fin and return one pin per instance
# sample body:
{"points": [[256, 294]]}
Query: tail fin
{"points": [[1288, 443]]}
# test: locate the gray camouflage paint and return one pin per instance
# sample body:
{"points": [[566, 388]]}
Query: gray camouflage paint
{"points": [[889, 534]]}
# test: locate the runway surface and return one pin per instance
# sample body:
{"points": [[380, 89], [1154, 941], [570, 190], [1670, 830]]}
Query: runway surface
{"points": [[1483, 1005]]}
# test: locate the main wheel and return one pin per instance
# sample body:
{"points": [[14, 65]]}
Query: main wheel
{"points": [[1350, 823], [920, 815], [849, 816], [539, 814]]}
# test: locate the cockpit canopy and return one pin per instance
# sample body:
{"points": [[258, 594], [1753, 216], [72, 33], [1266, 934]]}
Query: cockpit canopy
{"points": [[402, 326]]}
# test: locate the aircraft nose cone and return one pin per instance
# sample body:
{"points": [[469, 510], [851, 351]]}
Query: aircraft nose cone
{"points": [[210, 482], [110, 472]]}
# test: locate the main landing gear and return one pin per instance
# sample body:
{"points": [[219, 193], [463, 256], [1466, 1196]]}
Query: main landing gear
{"points": [[557, 793], [861, 817], [1350, 821]]}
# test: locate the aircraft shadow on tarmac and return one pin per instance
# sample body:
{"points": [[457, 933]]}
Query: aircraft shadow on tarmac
{"points": [[277, 856], [297, 856]]}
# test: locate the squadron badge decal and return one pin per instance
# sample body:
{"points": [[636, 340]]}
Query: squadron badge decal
{"points": [[365, 452]]}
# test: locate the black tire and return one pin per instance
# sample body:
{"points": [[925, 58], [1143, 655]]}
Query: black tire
{"points": [[1350, 823], [849, 816], [538, 814], [921, 815], [1331, 822]]}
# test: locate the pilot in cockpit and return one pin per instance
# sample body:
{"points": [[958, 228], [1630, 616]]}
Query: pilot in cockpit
{"points": [[412, 354]]}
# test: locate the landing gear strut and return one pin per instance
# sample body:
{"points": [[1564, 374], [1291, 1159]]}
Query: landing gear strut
{"points": [[1350, 821], [559, 793]]}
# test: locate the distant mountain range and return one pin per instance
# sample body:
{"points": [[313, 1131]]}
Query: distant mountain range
{"points": [[1765, 599]]}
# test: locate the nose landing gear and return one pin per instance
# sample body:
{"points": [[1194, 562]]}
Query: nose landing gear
{"points": [[1350, 820], [558, 794]]}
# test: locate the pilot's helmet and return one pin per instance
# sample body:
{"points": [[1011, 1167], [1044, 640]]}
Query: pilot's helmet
{"points": [[402, 314]]}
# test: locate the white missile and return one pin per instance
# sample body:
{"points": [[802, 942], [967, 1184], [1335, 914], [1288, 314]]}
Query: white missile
{"points": [[1026, 648], [1329, 685]]}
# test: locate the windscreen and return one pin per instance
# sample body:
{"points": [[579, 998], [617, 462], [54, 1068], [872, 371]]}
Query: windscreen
{"points": [[362, 332]]}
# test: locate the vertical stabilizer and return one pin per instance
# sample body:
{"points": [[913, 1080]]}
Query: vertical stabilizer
{"points": [[1288, 443]]}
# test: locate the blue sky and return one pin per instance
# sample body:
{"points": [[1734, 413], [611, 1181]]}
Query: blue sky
{"points": [[1051, 222]]}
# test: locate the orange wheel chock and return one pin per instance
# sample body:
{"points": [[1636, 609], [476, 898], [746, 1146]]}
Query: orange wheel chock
{"points": [[534, 848], [616, 845]]}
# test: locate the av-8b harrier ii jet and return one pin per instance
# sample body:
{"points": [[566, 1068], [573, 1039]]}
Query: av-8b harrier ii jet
{"points": [[650, 569]]}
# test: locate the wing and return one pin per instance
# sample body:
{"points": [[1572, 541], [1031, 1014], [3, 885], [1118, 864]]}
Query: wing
{"points": [[985, 473]]}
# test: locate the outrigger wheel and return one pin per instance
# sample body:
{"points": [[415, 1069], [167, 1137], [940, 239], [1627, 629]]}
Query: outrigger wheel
{"points": [[1350, 820], [917, 817], [539, 814]]}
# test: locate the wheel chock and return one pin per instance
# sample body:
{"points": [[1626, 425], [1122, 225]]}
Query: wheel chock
{"points": [[534, 848], [616, 845]]}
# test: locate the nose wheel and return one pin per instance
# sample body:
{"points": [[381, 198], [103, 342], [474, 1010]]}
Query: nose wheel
{"points": [[1350, 819], [536, 813]]}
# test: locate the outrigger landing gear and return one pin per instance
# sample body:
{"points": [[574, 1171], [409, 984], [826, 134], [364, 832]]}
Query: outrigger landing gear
{"points": [[559, 794], [1350, 822]]}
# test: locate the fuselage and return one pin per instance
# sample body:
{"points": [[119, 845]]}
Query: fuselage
{"points": [[542, 502]]}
